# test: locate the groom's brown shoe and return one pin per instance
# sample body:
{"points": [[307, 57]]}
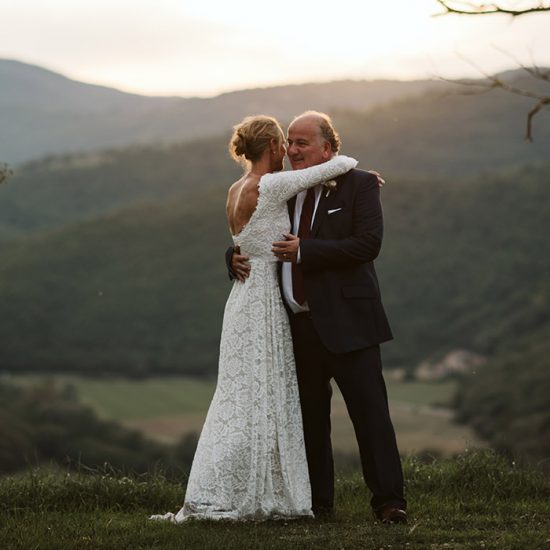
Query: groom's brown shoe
{"points": [[391, 514]]}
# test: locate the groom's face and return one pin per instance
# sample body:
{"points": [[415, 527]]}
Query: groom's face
{"points": [[306, 146]]}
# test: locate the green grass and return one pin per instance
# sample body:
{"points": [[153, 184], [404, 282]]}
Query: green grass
{"points": [[476, 501]]}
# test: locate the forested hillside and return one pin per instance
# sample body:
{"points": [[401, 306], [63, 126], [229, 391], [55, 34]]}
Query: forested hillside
{"points": [[54, 192], [507, 401], [142, 290], [46, 424]]}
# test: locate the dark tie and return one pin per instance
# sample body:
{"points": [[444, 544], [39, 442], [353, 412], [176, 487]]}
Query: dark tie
{"points": [[304, 231]]}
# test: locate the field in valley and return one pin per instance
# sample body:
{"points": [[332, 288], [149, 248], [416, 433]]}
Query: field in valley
{"points": [[167, 408]]}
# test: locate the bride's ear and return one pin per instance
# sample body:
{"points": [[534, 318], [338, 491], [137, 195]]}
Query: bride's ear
{"points": [[273, 145]]}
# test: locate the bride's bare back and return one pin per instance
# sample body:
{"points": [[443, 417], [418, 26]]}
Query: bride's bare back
{"points": [[242, 199]]}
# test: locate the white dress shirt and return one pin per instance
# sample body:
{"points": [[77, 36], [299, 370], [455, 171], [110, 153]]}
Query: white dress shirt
{"points": [[287, 266]]}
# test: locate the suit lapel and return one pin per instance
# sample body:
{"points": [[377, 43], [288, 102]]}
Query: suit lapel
{"points": [[324, 205], [321, 212]]}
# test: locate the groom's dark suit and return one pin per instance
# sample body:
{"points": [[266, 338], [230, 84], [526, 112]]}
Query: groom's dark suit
{"points": [[338, 338], [340, 282]]}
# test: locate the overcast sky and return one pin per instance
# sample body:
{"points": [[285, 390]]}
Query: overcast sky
{"points": [[177, 47]]}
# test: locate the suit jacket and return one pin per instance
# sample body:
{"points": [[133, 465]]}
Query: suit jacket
{"points": [[340, 281]]}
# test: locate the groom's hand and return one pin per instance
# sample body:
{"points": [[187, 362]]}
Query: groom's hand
{"points": [[287, 250], [240, 265]]}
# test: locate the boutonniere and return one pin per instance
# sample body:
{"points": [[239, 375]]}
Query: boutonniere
{"points": [[330, 185]]}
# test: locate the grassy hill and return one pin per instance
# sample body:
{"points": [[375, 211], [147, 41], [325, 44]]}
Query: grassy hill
{"points": [[476, 501]]}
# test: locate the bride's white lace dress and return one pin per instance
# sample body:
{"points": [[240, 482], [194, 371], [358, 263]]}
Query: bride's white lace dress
{"points": [[250, 461]]}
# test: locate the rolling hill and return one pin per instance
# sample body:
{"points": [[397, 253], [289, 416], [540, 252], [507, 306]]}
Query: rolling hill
{"points": [[449, 137], [44, 113]]}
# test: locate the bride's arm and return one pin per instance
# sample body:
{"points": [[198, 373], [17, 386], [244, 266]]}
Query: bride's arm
{"points": [[282, 186]]}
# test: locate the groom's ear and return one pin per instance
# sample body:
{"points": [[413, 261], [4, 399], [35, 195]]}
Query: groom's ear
{"points": [[327, 151]]}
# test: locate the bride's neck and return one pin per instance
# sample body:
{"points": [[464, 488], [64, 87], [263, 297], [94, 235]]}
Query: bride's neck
{"points": [[261, 166]]}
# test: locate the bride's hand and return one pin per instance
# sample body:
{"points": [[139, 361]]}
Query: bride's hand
{"points": [[381, 180]]}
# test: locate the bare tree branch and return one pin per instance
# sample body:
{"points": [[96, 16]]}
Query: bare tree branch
{"points": [[542, 103], [470, 8], [536, 72], [498, 83], [533, 70], [475, 8], [493, 82], [482, 88]]}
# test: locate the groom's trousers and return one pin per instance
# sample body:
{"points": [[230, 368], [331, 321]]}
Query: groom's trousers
{"points": [[359, 378]]}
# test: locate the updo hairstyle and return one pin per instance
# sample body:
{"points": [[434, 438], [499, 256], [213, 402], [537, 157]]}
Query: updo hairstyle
{"points": [[252, 136]]}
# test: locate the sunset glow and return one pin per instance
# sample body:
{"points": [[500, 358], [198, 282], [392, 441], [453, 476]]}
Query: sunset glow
{"points": [[165, 47]]}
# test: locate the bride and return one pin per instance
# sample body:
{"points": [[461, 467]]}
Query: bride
{"points": [[250, 461]]}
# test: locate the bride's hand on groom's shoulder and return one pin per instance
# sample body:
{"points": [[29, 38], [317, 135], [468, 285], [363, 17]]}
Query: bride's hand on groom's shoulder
{"points": [[381, 180], [239, 265]]}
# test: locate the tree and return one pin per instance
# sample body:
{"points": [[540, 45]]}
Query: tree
{"points": [[471, 8], [5, 172], [541, 100]]}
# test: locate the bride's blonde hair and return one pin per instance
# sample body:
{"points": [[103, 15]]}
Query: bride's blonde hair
{"points": [[251, 137]]}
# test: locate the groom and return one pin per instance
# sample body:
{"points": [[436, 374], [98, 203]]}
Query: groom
{"points": [[337, 319]]}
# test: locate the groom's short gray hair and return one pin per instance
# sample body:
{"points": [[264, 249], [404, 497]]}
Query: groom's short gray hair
{"points": [[326, 127]]}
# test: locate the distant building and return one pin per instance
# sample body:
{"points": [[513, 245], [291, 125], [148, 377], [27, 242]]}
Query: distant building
{"points": [[456, 363]]}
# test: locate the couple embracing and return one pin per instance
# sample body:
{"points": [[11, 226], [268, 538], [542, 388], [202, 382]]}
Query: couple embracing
{"points": [[304, 308]]}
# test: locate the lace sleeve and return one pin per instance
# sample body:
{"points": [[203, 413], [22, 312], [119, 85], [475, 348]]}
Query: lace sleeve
{"points": [[281, 186]]}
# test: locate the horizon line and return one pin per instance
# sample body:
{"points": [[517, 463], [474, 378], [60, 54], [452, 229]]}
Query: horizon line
{"points": [[289, 83]]}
